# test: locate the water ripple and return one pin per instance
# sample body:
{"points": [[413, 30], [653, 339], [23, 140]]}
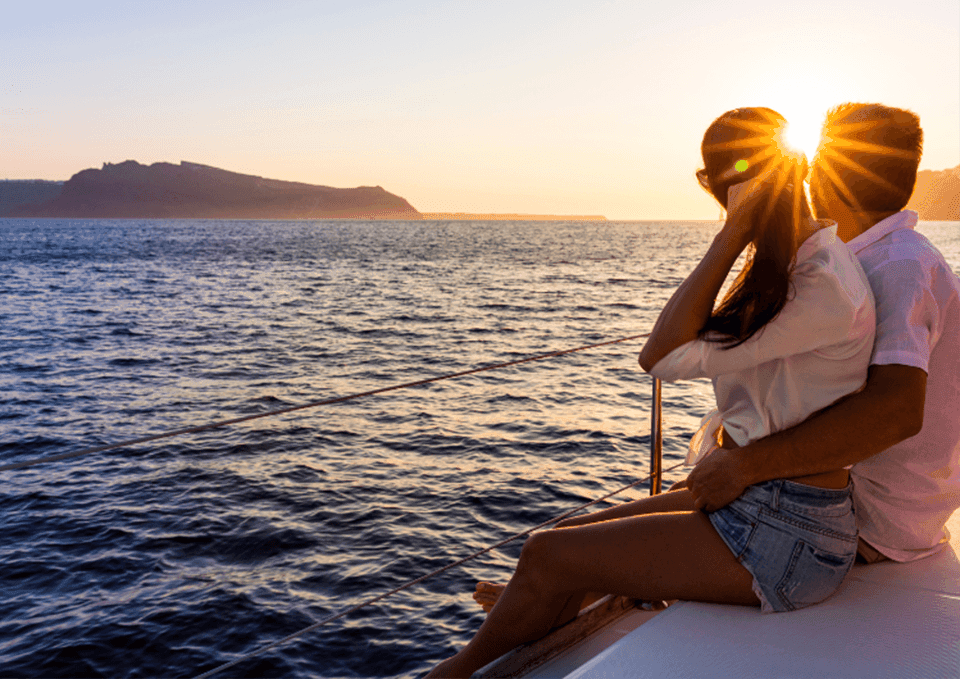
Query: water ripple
{"points": [[168, 559]]}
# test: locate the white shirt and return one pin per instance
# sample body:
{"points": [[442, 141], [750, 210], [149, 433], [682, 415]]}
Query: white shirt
{"points": [[814, 352], [905, 494]]}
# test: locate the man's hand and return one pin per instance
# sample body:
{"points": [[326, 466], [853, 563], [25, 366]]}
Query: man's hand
{"points": [[717, 480]]}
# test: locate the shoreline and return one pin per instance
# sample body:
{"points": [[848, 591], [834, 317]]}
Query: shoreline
{"points": [[508, 217]]}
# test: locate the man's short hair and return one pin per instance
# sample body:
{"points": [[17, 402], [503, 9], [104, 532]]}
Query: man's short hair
{"points": [[870, 154]]}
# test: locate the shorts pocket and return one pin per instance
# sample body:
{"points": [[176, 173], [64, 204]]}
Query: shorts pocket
{"points": [[812, 575]]}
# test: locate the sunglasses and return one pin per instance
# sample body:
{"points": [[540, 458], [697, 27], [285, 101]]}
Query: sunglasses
{"points": [[703, 179]]}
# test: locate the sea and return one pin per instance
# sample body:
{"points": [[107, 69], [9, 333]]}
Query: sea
{"points": [[170, 558]]}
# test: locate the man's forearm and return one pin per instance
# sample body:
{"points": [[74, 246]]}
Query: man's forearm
{"points": [[888, 410]]}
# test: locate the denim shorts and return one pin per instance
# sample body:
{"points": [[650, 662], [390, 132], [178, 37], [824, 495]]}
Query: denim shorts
{"points": [[797, 541]]}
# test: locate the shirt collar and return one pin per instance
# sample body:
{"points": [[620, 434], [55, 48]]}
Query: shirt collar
{"points": [[820, 238], [905, 219]]}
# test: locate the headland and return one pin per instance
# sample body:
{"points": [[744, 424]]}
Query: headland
{"points": [[936, 197], [195, 191]]}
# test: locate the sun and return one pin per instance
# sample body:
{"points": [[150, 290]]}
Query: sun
{"points": [[803, 101], [803, 134]]}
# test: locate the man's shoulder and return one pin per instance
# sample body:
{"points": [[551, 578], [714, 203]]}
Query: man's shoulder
{"points": [[915, 244], [898, 247]]}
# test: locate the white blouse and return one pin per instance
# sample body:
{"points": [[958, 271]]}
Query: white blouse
{"points": [[814, 352]]}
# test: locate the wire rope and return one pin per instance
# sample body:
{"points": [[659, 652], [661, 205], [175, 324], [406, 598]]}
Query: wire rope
{"points": [[315, 404]]}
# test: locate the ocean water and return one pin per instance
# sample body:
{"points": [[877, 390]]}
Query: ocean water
{"points": [[170, 558]]}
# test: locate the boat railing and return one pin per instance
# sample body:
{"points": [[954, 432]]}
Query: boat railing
{"points": [[656, 438]]}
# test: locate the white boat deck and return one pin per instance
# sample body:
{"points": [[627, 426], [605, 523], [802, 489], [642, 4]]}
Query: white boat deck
{"points": [[888, 620]]}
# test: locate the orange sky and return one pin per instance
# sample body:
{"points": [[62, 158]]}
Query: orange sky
{"points": [[531, 107]]}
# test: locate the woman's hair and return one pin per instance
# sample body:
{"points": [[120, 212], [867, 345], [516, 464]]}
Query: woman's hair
{"points": [[746, 141]]}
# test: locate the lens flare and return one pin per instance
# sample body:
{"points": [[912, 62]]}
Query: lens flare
{"points": [[779, 166], [802, 135]]}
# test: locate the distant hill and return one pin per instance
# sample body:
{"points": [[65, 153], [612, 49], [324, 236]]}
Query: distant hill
{"points": [[191, 190], [937, 195], [17, 192]]}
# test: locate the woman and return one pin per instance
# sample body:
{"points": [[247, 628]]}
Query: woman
{"points": [[793, 334]]}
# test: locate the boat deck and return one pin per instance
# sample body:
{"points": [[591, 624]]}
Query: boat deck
{"points": [[888, 620]]}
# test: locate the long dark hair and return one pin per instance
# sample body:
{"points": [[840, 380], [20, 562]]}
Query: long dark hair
{"points": [[748, 139]]}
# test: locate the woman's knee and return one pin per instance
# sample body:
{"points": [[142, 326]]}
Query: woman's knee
{"points": [[543, 560], [538, 558], [533, 553]]}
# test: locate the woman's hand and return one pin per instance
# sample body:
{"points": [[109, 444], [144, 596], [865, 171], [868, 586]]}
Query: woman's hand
{"points": [[743, 199]]}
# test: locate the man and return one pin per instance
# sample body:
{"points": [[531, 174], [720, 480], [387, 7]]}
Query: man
{"points": [[901, 432]]}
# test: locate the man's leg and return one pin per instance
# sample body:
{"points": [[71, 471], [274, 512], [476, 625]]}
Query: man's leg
{"points": [[867, 554]]}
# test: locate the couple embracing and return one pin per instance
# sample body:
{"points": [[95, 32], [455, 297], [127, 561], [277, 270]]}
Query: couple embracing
{"points": [[835, 360]]}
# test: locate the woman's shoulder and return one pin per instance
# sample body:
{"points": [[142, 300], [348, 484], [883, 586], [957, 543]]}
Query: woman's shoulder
{"points": [[824, 254], [825, 262]]}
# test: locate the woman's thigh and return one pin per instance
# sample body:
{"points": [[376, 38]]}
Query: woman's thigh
{"points": [[676, 555], [674, 501]]}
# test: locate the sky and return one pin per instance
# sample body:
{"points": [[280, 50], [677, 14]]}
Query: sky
{"points": [[532, 107]]}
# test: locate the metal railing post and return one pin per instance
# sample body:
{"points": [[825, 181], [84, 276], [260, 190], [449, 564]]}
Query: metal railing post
{"points": [[656, 440]]}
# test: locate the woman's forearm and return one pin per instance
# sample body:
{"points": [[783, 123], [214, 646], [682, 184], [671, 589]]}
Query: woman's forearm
{"points": [[691, 305]]}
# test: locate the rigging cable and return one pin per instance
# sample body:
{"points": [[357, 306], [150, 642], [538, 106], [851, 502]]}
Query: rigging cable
{"points": [[411, 583], [237, 420]]}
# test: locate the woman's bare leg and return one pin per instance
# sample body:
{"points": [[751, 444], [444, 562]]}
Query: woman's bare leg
{"points": [[675, 501], [487, 593], [657, 556]]}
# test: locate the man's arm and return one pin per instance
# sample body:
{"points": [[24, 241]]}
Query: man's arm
{"points": [[889, 409]]}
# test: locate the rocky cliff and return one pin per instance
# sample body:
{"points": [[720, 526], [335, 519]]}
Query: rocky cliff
{"points": [[937, 195], [190, 190]]}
